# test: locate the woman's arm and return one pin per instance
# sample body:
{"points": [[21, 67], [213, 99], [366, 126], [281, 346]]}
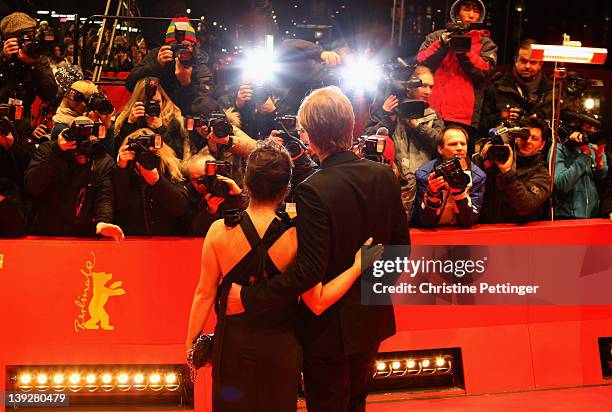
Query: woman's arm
{"points": [[206, 291], [321, 297]]}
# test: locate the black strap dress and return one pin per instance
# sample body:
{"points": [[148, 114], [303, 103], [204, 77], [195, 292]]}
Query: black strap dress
{"points": [[256, 357]]}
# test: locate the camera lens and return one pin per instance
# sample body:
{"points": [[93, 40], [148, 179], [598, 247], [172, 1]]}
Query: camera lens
{"points": [[148, 159]]}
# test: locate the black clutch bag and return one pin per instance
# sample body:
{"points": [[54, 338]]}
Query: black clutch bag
{"points": [[200, 353]]}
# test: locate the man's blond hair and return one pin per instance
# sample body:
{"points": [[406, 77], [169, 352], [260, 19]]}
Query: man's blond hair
{"points": [[327, 116]]}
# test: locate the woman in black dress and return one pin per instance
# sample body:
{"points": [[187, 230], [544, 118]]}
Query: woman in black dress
{"points": [[256, 358]]}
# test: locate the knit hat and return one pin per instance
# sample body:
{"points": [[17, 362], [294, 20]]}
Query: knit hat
{"points": [[66, 75], [180, 24], [454, 11], [16, 22]]}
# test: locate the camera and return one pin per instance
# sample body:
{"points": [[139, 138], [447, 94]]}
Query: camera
{"points": [[185, 54], [232, 217], [453, 173], [80, 131], [48, 36], [215, 186], [216, 122], [288, 131], [498, 151], [412, 109], [459, 41], [373, 148], [261, 92], [9, 113], [100, 103], [29, 46], [141, 146], [399, 77], [152, 107], [96, 101], [219, 124], [589, 126]]}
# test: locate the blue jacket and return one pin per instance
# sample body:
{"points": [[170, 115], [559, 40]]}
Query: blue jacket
{"points": [[575, 192], [427, 214]]}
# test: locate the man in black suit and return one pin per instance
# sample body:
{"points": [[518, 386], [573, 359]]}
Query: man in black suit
{"points": [[338, 208]]}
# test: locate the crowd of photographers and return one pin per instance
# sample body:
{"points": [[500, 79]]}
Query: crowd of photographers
{"points": [[172, 161]]}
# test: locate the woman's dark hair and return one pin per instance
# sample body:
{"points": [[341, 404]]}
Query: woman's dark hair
{"points": [[268, 171]]}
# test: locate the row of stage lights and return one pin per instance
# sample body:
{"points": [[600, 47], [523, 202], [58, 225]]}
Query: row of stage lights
{"points": [[403, 367], [96, 382]]}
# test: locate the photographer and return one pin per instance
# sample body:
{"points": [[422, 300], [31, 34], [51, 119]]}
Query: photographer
{"points": [[450, 189], [414, 135], [517, 189], [186, 79], [205, 205], [83, 98], [70, 179], [150, 107], [461, 58], [579, 165], [148, 184], [24, 72], [524, 90], [256, 116], [225, 140], [14, 159]]}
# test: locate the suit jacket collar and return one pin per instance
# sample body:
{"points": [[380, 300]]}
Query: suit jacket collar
{"points": [[337, 158]]}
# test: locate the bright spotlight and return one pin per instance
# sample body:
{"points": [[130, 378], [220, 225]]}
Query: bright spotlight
{"points": [[589, 103], [171, 378], [25, 379], [155, 378], [361, 74], [258, 66]]}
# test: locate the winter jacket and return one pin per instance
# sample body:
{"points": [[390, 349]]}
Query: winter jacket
{"points": [[506, 91], [517, 196], [70, 199], [427, 213], [13, 209], [413, 147], [143, 210], [575, 192], [460, 78], [193, 99], [605, 205], [18, 80]]}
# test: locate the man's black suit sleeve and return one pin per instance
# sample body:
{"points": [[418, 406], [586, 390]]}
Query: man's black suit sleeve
{"points": [[310, 263], [400, 234]]}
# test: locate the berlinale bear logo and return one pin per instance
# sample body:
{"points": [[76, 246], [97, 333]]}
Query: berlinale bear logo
{"points": [[98, 317]]}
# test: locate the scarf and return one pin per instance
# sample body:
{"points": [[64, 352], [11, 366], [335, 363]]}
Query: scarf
{"points": [[65, 115]]}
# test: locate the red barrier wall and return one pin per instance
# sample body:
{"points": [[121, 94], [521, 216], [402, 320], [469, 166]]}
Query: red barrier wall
{"points": [[45, 295]]}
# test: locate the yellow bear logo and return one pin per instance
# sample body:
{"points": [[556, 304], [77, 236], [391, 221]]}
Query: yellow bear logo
{"points": [[101, 293]]}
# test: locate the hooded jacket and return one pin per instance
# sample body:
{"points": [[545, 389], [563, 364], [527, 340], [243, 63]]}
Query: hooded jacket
{"points": [[575, 192], [517, 196], [460, 78], [505, 91]]}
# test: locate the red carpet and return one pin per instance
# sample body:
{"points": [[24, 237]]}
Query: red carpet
{"points": [[591, 399]]}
